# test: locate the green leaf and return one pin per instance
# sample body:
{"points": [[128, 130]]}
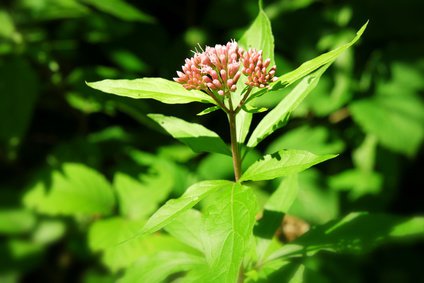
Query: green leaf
{"points": [[136, 200], [316, 139], [208, 110], [396, 121], [49, 231], [157, 268], [312, 65], [197, 137], [282, 163], [298, 275], [279, 116], [228, 223], [121, 10], [159, 89], [243, 121], [175, 207], [116, 239], [282, 199], [355, 233], [259, 36], [72, 189], [315, 203], [187, 228], [357, 183], [16, 221]]}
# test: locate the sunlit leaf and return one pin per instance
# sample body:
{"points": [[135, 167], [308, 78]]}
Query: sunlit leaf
{"points": [[116, 239], [157, 268], [187, 228], [279, 116], [159, 89], [196, 136], [175, 207], [72, 189], [228, 223], [259, 36], [282, 163]]}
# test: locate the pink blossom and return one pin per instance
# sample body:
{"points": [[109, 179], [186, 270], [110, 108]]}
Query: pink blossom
{"points": [[217, 69]]}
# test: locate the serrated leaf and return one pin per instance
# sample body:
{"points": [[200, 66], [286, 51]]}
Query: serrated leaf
{"points": [[312, 65], [279, 116], [282, 163], [355, 233], [197, 137], [163, 90], [121, 10], [73, 189], [259, 36], [175, 207], [157, 268], [228, 223]]}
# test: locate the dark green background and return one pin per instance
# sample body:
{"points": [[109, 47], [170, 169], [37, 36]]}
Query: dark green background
{"points": [[47, 112]]}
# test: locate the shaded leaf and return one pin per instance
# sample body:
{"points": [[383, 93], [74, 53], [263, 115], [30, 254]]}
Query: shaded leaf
{"points": [[159, 89], [121, 9], [282, 199], [16, 221], [19, 88], [355, 233], [197, 137], [282, 163], [312, 65], [315, 202], [396, 121]]}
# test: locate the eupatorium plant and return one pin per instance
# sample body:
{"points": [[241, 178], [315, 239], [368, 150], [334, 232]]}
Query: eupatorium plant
{"points": [[225, 246]]}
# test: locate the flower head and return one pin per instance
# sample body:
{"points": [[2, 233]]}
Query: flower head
{"points": [[218, 69]]}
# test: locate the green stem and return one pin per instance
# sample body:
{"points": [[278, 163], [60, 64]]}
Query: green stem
{"points": [[234, 145]]}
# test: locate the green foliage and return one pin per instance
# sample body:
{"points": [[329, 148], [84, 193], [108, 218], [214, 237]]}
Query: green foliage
{"points": [[71, 189], [197, 137], [156, 88], [91, 190], [282, 163]]}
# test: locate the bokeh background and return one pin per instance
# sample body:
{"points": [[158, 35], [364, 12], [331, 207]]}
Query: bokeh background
{"points": [[368, 107]]}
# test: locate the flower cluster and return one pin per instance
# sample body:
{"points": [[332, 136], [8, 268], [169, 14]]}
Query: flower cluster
{"points": [[217, 69]]}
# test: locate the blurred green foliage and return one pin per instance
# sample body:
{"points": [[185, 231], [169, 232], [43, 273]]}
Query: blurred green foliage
{"points": [[81, 170]]}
